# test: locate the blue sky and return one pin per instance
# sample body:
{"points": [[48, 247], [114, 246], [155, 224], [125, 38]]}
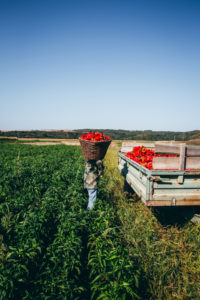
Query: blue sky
{"points": [[100, 64]]}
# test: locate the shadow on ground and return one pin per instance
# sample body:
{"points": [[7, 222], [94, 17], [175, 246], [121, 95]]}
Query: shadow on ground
{"points": [[173, 215], [178, 215]]}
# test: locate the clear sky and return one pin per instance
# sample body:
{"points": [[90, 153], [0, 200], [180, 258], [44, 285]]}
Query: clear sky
{"points": [[100, 64]]}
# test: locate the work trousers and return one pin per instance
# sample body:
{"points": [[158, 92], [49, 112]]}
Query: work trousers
{"points": [[92, 197]]}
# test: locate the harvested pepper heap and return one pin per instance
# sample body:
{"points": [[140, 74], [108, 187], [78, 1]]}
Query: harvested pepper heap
{"points": [[144, 156], [95, 136]]}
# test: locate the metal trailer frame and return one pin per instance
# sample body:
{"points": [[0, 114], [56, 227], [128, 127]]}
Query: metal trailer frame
{"points": [[161, 187]]}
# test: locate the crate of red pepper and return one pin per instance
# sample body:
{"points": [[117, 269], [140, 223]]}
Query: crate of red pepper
{"points": [[94, 145], [167, 156], [144, 156]]}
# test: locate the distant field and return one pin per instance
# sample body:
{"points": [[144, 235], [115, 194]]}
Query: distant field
{"points": [[116, 144]]}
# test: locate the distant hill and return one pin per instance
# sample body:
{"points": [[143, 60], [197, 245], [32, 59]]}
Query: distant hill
{"points": [[116, 134]]}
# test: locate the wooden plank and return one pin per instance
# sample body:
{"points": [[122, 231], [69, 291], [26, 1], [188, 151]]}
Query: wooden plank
{"points": [[164, 163], [193, 151], [128, 146], [175, 149], [170, 203], [126, 149], [182, 157], [193, 163], [134, 144], [167, 148]]}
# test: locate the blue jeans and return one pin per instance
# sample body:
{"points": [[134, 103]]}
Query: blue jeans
{"points": [[92, 197]]}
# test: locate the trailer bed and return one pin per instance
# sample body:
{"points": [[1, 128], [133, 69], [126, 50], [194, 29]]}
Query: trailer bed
{"points": [[161, 187]]}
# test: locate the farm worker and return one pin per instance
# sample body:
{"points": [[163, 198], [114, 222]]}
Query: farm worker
{"points": [[93, 171]]}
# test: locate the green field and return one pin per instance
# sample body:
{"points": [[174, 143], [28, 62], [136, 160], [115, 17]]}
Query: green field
{"points": [[51, 247]]}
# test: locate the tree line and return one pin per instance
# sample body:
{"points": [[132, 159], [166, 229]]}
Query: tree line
{"points": [[115, 134]]}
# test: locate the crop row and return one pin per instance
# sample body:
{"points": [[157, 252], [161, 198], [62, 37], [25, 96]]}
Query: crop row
{"points": [[38, 193], [113, 275], [50, 246]]}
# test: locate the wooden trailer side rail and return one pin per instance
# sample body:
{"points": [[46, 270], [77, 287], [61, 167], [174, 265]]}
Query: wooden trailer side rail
{"points": [[188, 157]]}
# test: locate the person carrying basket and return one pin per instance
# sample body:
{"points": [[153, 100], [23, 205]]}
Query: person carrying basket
{"points": [[94, 146]]}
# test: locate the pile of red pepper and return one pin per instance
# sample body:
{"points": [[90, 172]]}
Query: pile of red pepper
{"points": [[144, 156], [95, 136]]}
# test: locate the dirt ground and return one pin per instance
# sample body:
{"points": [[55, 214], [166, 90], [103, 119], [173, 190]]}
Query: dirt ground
{"points": [[46, 143], [115, 145]]}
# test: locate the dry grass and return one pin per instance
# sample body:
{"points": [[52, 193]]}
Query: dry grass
{"points": [[42, 142], [194, 142], [115, 145]]}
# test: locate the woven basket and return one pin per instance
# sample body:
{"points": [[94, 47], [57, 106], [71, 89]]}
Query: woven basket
{"points": [[94, 150]]}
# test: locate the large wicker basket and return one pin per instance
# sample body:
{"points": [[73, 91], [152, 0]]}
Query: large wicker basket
{"points": [[94, 150]]}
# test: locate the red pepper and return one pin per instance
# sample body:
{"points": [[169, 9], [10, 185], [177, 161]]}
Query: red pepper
{"points": [[95, 136], [144, 156]]}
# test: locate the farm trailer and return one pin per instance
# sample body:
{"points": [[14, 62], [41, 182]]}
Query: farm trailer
{"points": [[163, 186]]}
